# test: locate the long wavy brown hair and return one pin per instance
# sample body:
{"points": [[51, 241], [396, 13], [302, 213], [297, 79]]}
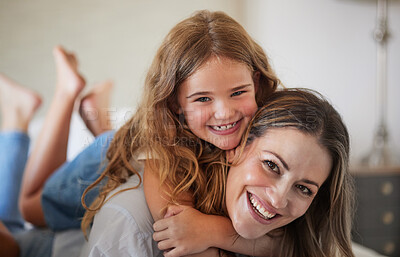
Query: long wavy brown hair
{"points": [[184, 162], [324, 230]]}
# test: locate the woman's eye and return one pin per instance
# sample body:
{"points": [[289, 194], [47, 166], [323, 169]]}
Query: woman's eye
{"points": [[238, 93], [202, 99], [304, 190], [272, 166]]}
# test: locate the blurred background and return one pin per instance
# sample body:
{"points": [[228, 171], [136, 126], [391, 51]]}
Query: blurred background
{"points": [[321, 44], [326, 45]]}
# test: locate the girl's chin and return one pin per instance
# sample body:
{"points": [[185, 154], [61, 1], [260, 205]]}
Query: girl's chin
{"points": [[228, 145]]}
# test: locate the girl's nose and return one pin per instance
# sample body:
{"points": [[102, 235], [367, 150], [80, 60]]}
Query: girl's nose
{"points": [[223, 110]]}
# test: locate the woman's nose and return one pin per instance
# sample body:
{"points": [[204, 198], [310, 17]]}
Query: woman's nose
{"points": [[279, 196]]}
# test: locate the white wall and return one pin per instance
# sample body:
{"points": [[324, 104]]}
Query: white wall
{"points": [[322, 44], [112, 39], [327, 45]]}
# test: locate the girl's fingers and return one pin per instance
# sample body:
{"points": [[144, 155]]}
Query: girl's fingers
{"points": [[160, 225], [173, 210], [160, 236], [164, 245], [174, 252]]}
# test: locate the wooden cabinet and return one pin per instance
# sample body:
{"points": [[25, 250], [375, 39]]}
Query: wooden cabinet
{"points": [[377, 218]]}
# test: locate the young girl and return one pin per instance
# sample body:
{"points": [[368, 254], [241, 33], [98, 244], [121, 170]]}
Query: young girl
{"points": [[204, 85], [289, 179]]}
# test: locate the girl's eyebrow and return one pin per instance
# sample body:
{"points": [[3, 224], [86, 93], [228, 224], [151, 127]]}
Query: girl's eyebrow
{"points": [[241, 87], [207, 92], [199, 93]]}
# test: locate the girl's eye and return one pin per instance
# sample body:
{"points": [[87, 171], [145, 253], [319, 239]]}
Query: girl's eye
{"points": [[272, 166], [202, 99], [238, 93], [304, 190]]}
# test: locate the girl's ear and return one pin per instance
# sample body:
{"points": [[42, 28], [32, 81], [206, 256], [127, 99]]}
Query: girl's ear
{"points": [[178, 110], [256, 80]]}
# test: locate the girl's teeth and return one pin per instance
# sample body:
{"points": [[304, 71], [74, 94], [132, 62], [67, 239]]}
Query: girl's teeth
{"points": [[260, 209], [220, 128]]}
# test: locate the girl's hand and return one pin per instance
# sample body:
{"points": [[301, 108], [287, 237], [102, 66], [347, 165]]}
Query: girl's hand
{"points": [[183, 231]]}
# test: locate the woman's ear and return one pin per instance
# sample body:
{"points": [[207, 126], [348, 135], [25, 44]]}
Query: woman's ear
{"points": [[256, 80]]}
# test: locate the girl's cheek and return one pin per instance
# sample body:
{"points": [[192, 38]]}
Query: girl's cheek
{"points": [[250, 107]]}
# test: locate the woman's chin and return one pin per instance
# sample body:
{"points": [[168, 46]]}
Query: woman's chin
{"points": [[246, 231]]}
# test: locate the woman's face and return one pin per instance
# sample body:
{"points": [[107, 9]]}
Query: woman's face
{"points": [[275, 181], [218, 101]]}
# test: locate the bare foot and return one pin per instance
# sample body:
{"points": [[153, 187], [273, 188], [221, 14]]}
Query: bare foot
{"points": [[18, 105], [94, 108], [69, 81]]}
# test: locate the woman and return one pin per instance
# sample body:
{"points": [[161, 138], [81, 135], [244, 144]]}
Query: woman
{"points": [[289, 180]]}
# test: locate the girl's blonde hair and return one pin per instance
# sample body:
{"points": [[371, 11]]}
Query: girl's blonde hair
{"points": [[185, 163], [324, 230]]}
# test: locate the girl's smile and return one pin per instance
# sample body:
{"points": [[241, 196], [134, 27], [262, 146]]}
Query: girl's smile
{"points": [[226, 129], [218, 101]]}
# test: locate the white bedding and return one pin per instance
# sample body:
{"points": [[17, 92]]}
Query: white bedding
{"points": [[361, 251]]}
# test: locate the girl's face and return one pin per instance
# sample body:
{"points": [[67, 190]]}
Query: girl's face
{"points": [[275, 181], [218, 101]]}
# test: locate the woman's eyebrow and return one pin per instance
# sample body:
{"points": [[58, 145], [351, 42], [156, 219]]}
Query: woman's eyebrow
{"points": [[287, 168], [280, 159], [310, 182]]}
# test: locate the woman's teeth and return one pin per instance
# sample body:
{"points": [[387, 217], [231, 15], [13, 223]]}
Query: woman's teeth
{"points": [[260, 209], [220, 128]]}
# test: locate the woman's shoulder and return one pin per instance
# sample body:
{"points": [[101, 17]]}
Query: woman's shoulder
{"points": [[124, 220], [128, 193], [125, 214]]}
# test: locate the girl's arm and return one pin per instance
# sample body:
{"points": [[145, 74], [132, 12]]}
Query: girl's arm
{"points": [[190, 231], [156, 196], [157, 201], [185, 228]]}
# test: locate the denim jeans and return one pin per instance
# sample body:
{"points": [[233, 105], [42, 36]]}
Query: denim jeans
{"points": [[61, 197], [14, 147]]}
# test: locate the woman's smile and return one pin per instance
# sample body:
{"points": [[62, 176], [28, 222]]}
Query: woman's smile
{"points": [[259, 209], [275, 181]]}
